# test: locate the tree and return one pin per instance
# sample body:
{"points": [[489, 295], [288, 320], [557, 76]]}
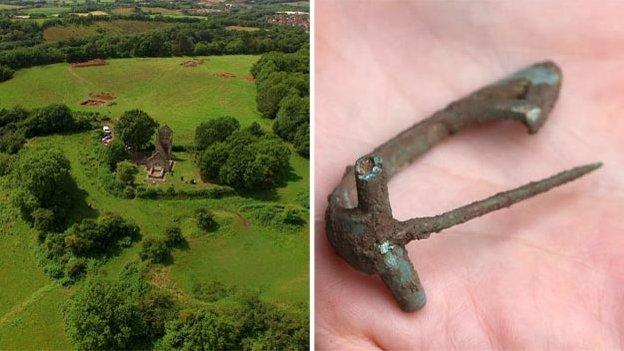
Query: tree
{"points": [[101, 315], [277, 86], [302, 141], [126, 172], [245, 160], [5, 164], [43, 219], [136, 128], [294, 113], [211, 160], [42, 180], [12, 142], [50, 119], [255, 129], [86, 237], [6, 73], [270, 97], [205, 219], [156, 309], [13, 115], [215, 130], [155, 250], [253, 164], [118, 228], [183, 45], [91, 237], [173, 236], [203, 330]]}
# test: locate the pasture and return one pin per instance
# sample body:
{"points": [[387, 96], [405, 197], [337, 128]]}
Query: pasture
{"points": [[57, 33], [241, 252], [169, 92]]}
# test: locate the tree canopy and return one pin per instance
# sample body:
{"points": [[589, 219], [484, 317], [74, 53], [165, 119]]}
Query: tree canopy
{"points": [[283, 95], [155, 250], [126, 172], [136, 128], [215, 130], [43, 180], [6, 73], [50, 119], [101, 316], [246, 161]]}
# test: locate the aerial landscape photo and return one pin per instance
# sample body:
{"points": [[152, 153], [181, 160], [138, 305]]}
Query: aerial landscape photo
{"points": [[154, 175]]}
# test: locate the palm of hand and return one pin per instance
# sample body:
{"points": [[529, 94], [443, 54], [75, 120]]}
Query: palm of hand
{"points": [[549, 272]]}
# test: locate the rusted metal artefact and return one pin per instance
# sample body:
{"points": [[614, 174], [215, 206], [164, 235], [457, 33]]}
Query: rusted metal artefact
{"points": [[359, 218]]}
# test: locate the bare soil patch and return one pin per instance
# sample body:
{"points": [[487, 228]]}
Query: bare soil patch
{"points": [[93, 102], [250, 78], [192, 63], [94, 62], [103, 96], [225, 75]]}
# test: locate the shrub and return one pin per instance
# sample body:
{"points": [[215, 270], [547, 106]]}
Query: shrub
{"points": [[43, 219], [153, 193], [276, 87], [173, 236], [42, 179], [86, 237], [129, 192], [246, 324], [76, 268], [12, 142], [211, 160], [6, 73], [286, 216], [102, 316], [215, 130], [293, 113], [202, 330], [115, 153], [50, 119], [156, 309], [246, 161], [91, 237], [255, 129], [126, 172], [205, 219], [5, 164], [302, 141], [13, 116], [155, 250]]}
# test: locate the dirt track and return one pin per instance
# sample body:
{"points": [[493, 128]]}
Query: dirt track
{"points": [[94, 62]]}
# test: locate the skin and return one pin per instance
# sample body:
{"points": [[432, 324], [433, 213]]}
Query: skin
{"points": [[547, 273]]}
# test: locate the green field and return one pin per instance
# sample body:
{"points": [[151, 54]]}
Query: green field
{"points": [[241, 252], [48, 11], [9, 7], [162, 11], [172, 94], [57, 33]]}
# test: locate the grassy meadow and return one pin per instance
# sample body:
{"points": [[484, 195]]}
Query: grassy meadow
{"points": [[57, 33], [240, 252], [178, 96]]}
